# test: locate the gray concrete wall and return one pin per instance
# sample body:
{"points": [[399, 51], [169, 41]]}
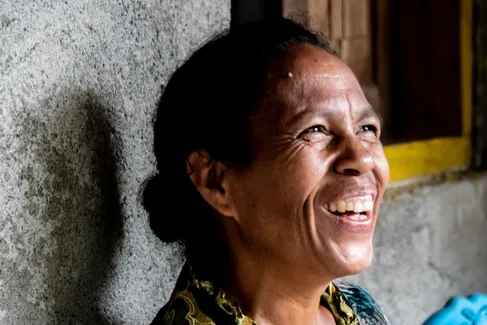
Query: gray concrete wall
{"points": [[430, 244], [79, 81]]}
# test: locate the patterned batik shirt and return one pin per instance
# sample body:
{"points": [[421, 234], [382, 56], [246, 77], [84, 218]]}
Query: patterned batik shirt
{"points": [[197, 302]]}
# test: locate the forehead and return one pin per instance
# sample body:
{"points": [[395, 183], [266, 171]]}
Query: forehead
{"points": [[307, 75], [307, 59]]}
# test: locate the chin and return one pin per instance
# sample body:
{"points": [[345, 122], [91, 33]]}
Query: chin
{"points": [[350, 261], [356, 268]]}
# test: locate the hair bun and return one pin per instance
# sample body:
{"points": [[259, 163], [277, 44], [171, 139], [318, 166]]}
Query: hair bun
{"points": [[162, 200]]}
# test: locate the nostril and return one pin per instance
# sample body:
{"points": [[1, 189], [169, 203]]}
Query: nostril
{"points": [[351, 172]]}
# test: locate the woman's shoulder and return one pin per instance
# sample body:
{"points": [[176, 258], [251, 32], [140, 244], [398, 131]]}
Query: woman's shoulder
{"points": [[182, 309], [362, 303], [196, 302]]}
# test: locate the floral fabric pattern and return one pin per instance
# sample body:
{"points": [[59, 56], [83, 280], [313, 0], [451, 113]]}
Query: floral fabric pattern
{"points": [[197, 302]]}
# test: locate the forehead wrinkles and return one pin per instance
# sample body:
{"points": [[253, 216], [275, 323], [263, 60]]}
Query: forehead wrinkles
{"points": [[324, 89], [302, 76]]}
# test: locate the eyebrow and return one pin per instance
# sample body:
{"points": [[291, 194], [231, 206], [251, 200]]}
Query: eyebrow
{"points": [[370, 112], [299, 116], [366, 113]]}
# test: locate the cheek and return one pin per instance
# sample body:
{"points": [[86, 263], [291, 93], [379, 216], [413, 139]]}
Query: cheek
{"points": [[301, 174], [278, 188]]}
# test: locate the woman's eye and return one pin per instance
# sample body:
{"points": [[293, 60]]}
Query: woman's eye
{"points": [[314, 133], [316, 129], [368, 129]]}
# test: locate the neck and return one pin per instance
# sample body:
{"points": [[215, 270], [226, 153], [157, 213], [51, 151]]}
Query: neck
{"points": [[272, 293]]}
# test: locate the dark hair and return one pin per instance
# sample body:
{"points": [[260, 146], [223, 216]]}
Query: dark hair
{"points": [[206, 105]]}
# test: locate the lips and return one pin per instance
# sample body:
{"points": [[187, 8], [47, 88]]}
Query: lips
{"points": [[352, 209]]}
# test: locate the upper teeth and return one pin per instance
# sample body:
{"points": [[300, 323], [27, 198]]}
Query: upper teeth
{"points": [[356, 206]]}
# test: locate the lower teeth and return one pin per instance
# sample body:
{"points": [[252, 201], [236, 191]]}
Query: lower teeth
{"points": [[358, 217]]}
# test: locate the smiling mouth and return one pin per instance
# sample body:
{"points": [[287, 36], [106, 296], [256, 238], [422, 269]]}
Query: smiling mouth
{"points": [[357, 209], [353, 215]]}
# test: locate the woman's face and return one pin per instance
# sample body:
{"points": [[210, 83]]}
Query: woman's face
{"points": [[311, 195]]}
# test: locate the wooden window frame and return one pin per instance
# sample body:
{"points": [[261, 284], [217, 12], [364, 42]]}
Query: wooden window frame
{"points": [[417, 159], [479, 100]]}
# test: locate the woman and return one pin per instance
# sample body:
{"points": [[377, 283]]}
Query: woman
{"points": [[270, 173]]}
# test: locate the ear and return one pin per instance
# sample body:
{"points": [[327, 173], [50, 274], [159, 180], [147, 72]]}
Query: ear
{"points": [[211, 179]]}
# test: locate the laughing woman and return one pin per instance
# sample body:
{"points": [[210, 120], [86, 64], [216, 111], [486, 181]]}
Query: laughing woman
{"points": [[270, 174]]}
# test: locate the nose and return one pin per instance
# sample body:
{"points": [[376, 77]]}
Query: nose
{"points": [[354, 159]]}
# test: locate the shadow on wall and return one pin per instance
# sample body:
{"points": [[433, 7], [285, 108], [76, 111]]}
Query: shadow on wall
{"points": [[79, 190]]}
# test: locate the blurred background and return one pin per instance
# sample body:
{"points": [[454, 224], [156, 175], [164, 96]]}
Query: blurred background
{"points": [[79, 84]]}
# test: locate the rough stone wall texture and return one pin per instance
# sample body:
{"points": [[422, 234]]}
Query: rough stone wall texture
{"points": [[79, 82], [430, 244]]}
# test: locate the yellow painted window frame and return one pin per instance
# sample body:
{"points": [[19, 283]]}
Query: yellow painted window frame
{"points": [[418, 159]]}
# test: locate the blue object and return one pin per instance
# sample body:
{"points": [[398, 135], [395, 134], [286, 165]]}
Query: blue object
{"points": [[471, 310]]}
